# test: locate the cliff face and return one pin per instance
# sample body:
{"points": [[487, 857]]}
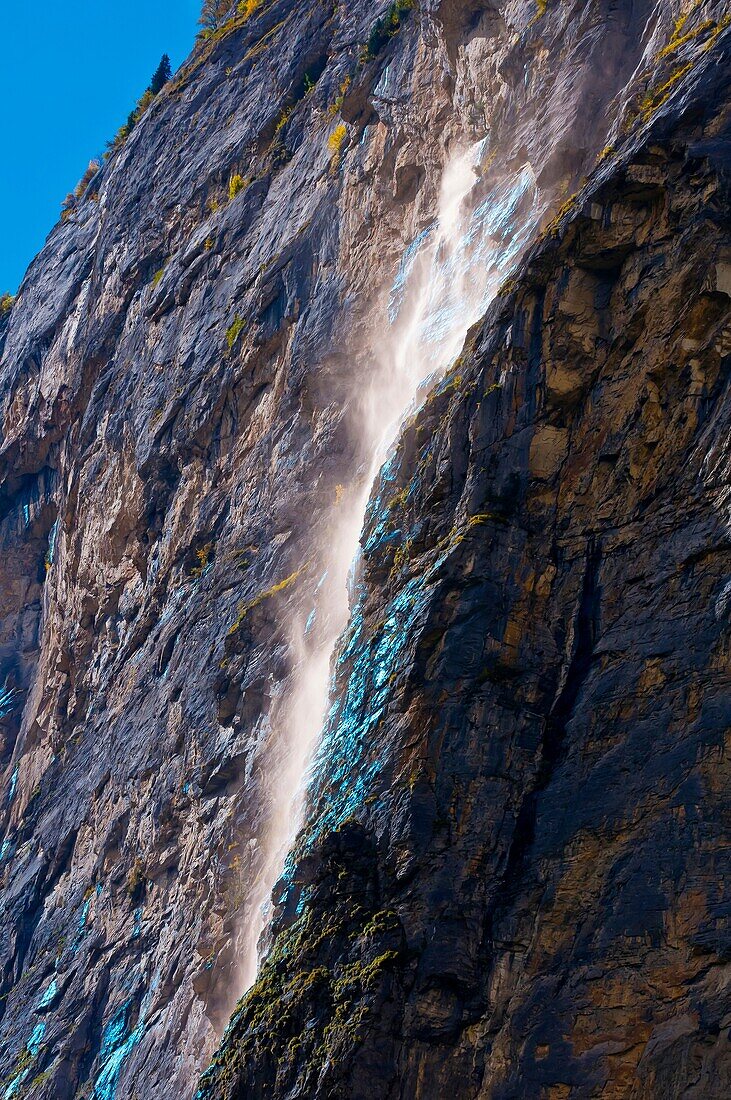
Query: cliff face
{"points": [[513, 876], [509, 880]]}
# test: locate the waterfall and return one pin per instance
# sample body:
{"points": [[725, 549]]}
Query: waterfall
{"points": [[446, 280]]}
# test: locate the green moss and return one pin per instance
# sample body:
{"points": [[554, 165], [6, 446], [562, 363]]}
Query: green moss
{"points": [[22, 1062], [398, 500], [402, 554], [385, 920], [39, 1081], [678, 39], [658, 96], [508, 287], [234, 331], [459, 532], [244, 557], [319, 985], [566, 208], [453, 384]]}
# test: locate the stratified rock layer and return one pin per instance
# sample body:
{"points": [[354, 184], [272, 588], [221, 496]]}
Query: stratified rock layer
{"points": [[509, 856], [513, 879]]}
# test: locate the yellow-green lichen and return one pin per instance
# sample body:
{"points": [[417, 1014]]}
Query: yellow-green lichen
{"points": [[245, 608], [234, 331], [235, 184], [335, 142], [202, 556]]}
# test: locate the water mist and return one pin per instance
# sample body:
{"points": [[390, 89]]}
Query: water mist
{"points": [[447, 278]]}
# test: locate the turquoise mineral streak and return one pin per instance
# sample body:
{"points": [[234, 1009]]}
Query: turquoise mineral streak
{"points": [[8, 698], [13, 784], [346, 765], [33, 1047], [117, 1044], [49, 996], [52, 536]]}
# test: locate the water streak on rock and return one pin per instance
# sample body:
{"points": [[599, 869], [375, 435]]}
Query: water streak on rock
{"points": [[446, 279]]}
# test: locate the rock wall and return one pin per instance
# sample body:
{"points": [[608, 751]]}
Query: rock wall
{"points": [[180, 385], [512, 881]]}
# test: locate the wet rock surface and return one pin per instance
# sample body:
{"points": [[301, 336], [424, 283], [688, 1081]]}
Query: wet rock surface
{"points": [[510, 877]]}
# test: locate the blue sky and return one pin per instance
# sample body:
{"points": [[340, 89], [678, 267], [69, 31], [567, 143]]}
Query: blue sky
{"points": [[69, 75]]}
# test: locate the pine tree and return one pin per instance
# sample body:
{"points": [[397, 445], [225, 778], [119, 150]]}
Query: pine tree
{"points": [[162, 74]]}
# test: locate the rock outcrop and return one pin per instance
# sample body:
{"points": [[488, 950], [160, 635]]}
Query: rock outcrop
{"points": [[510, 880]]}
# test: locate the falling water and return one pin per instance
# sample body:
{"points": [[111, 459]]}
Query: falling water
{"points": [[445, 282]]}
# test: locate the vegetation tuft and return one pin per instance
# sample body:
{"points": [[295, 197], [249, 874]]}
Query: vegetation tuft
{"points": [[159, 79], [234, 331], [219, 15], [385, 29], [235, 184], [335, 143], [340, 97], [203, 560]]}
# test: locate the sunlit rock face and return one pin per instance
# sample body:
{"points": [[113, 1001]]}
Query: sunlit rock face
{"points": [[509, 878]]}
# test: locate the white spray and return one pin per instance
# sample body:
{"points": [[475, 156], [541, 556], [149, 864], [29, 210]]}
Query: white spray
{"points": [[447, 278]]}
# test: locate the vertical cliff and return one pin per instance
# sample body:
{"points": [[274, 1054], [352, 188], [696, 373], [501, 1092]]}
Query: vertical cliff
{"points": [[506, 880], [512, 880]]}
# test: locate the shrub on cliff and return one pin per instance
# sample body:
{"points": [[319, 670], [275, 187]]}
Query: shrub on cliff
{"points": [[386, 28], [92, 169], [159, 79], [68, 206], [235, 184], [6, 303], [248, 7], [136, 881], [234, 331], [214, 13], [335, 143]]}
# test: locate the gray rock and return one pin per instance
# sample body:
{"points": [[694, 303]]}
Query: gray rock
{"points": [[180, 391]]}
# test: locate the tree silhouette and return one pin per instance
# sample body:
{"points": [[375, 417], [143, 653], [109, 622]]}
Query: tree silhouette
{"points": [[162, 74]]}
